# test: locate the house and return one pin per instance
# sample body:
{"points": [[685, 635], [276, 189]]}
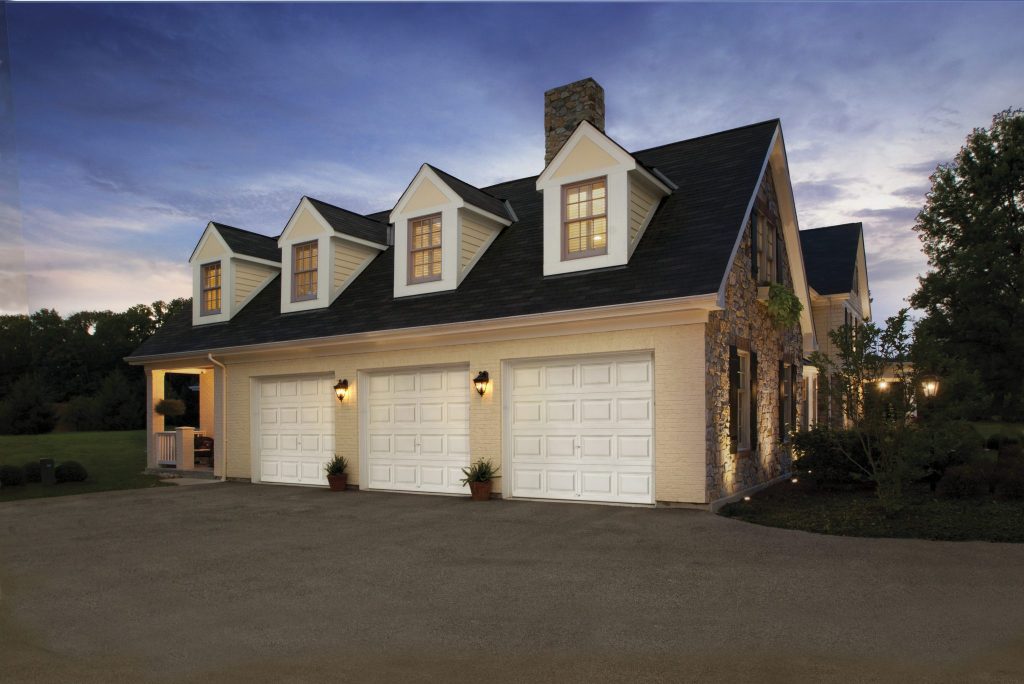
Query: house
{"points": [[598, 330], [837, 274]]}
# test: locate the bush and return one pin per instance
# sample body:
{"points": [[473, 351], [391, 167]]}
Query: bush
{"points": [[33, 471], [1011, 483], [994, 441], [80, 414], [11, 476], [71, 471], [819, 456], [26, 410], [965, 481]]}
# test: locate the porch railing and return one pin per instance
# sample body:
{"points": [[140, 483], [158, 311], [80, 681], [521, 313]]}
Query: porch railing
{"points": [[165, 448]]}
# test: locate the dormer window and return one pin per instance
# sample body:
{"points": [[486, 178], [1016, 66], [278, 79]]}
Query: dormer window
{"points": [[210, 295], [585, 219], [425, 249], [304, 271]]}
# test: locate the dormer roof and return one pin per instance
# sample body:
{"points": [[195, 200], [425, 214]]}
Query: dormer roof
{"points": [[473, 195], [352, 224], [247, 243], [830, 256]]}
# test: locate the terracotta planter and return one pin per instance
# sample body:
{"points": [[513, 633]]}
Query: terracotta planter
{"points": [[338, 482], [481, 490]]}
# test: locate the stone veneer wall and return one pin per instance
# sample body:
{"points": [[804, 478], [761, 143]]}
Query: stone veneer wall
{"points": [[744, 318], [565, 107]]}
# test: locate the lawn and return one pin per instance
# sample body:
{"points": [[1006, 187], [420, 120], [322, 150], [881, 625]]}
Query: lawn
{"points": [[856, 513], [987, 429], [114, 460]]}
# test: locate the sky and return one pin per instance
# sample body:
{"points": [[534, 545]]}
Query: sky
{"points": [[130, 126]]}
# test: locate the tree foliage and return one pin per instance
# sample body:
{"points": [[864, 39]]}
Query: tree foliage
{"points": [[972, 231], [883, 447], [78, 359]]}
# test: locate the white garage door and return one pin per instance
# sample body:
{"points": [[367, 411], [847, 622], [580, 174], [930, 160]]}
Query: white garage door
{"points": [[582, 429], [296, 428], [417, 430]]}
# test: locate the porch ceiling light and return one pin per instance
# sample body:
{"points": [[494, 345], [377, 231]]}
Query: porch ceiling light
{"points": [[930, 385], [883, 385], [480, 382], [341, 389]]}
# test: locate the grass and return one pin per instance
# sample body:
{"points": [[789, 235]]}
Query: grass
{"points": [[114, 460], [987, 429], [856, 513]]}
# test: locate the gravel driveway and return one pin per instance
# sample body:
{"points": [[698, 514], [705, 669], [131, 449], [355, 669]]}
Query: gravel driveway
{"points": [[257, 583]]}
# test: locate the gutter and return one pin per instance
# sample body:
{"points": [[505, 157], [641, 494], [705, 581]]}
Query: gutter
{"points": [[223, 416]]}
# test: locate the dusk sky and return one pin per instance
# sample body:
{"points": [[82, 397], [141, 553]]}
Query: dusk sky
{"points": [[137, 124]]}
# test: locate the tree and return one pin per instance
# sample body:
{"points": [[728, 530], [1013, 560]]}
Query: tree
{"points": [[972, 231], [883, 447], [26, 410]]}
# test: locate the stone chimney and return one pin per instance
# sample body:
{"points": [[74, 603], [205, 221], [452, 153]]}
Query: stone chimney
{"points": [[565, 107]]}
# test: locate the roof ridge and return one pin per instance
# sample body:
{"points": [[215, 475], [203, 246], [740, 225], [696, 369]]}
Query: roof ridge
{"points": [[219, 225], [347, 211], [775, 120], [450, 175]]}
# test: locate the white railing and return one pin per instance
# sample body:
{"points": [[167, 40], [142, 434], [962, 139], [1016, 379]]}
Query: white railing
{"points": [[166, 454]]}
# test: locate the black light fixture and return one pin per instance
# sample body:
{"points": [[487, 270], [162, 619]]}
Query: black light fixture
{"points": [[480, 382], [341, 389], [930, 385]]}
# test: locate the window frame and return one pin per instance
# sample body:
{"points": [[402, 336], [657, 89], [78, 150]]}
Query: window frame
{"points": [[564, 228], [315, 244], [743, 432], [204, 310], [411, 251], [767, 248]]}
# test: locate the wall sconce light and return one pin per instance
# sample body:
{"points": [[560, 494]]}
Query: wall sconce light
{"points": [[480, 382], [883, 385], [341, 390], [930, 386]]}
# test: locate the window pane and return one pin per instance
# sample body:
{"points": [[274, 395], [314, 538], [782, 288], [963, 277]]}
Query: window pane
{"points": [[597, 207], [598, 189]]}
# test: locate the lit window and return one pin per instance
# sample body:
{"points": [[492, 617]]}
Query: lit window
{"points": [[304, 271], [209, 281], [585, 219], [425, 249]]}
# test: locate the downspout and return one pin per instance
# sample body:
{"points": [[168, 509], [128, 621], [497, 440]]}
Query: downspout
{"points": [[223, 416]]}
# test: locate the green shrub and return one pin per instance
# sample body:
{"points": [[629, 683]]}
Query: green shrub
{"points": [[965, 481], [71, 471], [819, 456], [26, 410], [11, 476], [994, 441], [481, 471], [336, 466], [81, 414], [1011, 483], [33, 471]]}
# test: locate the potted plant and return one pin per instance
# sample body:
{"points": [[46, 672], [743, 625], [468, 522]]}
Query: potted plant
{"points": [[479, 477], [336, 475]]}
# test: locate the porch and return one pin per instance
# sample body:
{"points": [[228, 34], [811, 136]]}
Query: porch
{"points": [[182, 448]]}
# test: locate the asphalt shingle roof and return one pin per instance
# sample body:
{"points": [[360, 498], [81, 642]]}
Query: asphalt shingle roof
{"points": [[351, 223], [684, 251], [830, 255], [248, 243], [473, 195]]}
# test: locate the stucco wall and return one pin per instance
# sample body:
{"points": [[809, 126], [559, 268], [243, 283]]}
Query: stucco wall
{"points": [[679, 395], [744, 318]]}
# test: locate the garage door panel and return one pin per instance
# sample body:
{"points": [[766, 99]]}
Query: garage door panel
{"points": [[381, 475], [426, 417], [582, 429]]}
